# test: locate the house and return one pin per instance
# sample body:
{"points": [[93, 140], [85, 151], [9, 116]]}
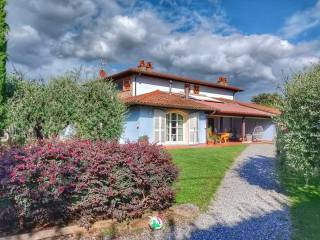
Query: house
{"points": [[172, 109]]}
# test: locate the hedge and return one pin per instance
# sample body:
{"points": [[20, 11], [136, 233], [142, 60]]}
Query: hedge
{"points": [[52, 182], [298, 140]]}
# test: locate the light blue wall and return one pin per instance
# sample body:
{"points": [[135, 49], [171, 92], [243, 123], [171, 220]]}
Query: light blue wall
{"points": [[269, 129], [130, 130], [202, 127], [269, 133], [146, 122], [139, 122]]}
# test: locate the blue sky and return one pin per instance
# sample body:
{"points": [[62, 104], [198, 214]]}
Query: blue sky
{"points": [[253, 43]]}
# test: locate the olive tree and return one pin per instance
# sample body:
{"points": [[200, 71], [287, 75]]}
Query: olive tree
{"points": [[38, 110], [267, 99]]}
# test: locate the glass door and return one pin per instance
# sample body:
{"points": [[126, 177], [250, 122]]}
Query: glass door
{"points": [[174, 128]]}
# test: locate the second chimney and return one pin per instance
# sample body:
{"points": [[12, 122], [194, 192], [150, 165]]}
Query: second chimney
{"points": [[142, 65], [149, 66], [223, 81]]}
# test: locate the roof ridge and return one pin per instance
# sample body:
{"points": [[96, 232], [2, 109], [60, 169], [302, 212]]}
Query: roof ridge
{"points": [[173, 77]]}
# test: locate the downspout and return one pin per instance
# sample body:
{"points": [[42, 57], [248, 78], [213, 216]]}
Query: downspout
{"points": [[135, 85]]}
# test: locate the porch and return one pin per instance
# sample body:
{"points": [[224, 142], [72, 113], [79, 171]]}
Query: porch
{"points": [[226, 128]]}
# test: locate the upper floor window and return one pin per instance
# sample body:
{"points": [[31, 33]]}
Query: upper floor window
{"points": [[126, 85], [196, 89]]}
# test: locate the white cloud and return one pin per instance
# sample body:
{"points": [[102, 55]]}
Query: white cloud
{"points": [[81, 32], [302, 21]]}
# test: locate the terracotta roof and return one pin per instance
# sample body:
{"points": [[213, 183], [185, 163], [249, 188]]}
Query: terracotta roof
{"points": [[174, 100], [168, 76], [233, 109], [272, 110], [163, 99]]}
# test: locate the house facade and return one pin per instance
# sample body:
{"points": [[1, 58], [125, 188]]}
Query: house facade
{"points": [[171, 109]]}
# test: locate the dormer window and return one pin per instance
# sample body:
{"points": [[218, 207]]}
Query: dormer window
{"points": [[196, 89], [126, 86]]}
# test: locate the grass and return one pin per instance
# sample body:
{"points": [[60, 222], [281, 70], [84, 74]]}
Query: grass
{"points": [[305, 209], [201, 171]]}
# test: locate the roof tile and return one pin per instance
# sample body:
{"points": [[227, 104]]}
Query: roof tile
{"points": [[174, 100]]}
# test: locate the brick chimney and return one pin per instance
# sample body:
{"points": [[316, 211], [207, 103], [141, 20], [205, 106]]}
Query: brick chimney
{"points": [[102, 74], [149, 66], [142, 65], [222, 81]]}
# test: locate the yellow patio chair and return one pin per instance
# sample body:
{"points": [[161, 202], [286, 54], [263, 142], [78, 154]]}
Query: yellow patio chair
{"points": [[225, 137]]}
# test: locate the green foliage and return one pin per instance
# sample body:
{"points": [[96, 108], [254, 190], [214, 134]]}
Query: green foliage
{"points": [[3, 59], [38, 110], [299, 124], [305, 204], [267, 99]]}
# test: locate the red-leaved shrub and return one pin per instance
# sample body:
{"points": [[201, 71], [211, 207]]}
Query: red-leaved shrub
{"points": [[56, 182]]}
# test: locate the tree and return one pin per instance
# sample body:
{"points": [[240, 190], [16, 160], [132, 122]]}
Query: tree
{"points": [[299, 123], [3, 58], [267, 99], [38, 110]]}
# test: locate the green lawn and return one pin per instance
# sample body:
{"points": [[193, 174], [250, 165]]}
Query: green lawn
{"points": [[305, 210], [201, 171]]}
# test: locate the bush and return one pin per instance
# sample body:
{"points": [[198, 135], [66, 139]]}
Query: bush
{"points": [[56, 182], [299, 124], [38, 110], [8, 216]]}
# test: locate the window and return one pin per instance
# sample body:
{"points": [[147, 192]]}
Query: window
{"points": [[174, 127], [196, 89], [126, 85]]}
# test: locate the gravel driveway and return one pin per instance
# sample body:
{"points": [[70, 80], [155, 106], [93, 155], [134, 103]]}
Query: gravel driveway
{"points": [[249, 204]]}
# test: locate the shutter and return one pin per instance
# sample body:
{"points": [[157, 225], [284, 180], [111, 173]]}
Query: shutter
{"points": [[159, 126], [193, 128]]}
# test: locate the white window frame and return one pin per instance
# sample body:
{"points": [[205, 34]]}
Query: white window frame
{"points": [[170, 141]]}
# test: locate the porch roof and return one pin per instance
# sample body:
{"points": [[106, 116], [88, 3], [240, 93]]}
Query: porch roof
{"points": [[272, 110], [224, 107], [233, 109], [163, 99]]}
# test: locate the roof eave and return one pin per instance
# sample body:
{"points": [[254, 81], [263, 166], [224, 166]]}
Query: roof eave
{"points": [[167, 106]]}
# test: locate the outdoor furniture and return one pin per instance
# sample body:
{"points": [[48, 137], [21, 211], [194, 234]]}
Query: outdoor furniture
{"points": [[257, 133], [249, 137], [224, 137], [216, 138]]}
